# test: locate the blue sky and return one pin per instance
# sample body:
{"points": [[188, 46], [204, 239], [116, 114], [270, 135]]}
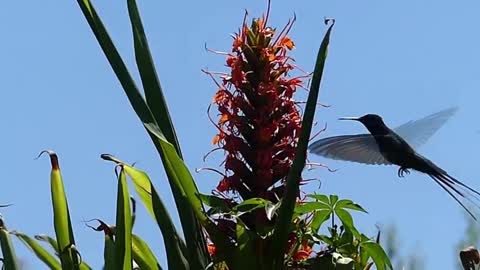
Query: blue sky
{"points": [[402, 60]]}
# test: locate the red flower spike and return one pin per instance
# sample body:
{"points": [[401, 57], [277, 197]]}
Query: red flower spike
{"points": [[259, 121]]}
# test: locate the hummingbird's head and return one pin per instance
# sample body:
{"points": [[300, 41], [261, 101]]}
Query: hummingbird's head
{"points": [[371, 121]]}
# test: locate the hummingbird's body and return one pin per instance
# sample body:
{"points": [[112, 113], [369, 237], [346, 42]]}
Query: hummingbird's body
{"points": [[385, 146], [393, 147]]}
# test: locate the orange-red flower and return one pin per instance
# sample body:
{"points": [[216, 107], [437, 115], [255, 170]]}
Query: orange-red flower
{"points": [[303, 252], [259, 122], [211, 249]]}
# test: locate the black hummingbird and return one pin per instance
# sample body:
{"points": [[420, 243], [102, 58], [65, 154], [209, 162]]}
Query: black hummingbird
{"points": [[384, 146]]}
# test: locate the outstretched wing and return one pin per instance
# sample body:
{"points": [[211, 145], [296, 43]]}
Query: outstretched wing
{"points": [[417, 133], [360, 148]]}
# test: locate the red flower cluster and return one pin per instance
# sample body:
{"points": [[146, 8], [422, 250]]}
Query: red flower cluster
{"points": [[259, 120], [302, 251]]}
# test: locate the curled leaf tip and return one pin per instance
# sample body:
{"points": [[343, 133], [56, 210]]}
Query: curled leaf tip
{"points": [[41, 237], [107, 157], [101, 227], [53, 158], [329, 20], [118, 169]]}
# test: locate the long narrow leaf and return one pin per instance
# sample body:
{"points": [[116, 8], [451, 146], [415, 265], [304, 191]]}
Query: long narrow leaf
{"points": [[178, 172], [49, 240], [155, 207], [109, 253], [191, 227], [151, 85], [288, 201], [39, 251], [61, 217], [143, 255], [9, 258], [175, 245], [123, 232], [380, 258]]}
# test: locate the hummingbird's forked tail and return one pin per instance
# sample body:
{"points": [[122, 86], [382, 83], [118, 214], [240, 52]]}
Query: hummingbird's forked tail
{"points": [[456, 189]]}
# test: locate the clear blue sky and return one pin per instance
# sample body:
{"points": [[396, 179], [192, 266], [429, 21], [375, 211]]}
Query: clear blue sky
{"points": [[402, 60]]}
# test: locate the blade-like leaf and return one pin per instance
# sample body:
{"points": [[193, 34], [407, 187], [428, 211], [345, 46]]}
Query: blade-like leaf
{"points": [[61, 217], [109, 253], [49, 240], [378, 255], [41, 253], [10, 261], [288, 201], [178, 172], [148, 195], [54, 245], [151, 85], [143, 255], [192, 230], [123, 232]]}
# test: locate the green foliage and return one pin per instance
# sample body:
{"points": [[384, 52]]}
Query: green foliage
{"points": [[293, 229], [292, 186]]}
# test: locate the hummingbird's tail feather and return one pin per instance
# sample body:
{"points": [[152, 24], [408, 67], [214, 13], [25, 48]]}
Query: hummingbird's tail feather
{"points": [[456, 189], [445, 186]]}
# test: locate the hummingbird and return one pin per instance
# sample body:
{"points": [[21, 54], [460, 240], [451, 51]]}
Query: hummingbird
{"points": [[385, 146]]}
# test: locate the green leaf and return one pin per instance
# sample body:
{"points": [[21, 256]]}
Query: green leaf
{"points": [[41, 253], [333, 199], [143, 255], [214, 202], [10, 261], [123, 229], [151, 85], [349, 204], [310, 207], [179, 173], [49, 240], [109, 253], [319, 218], [61, 217], [347, 221], [282, 224], [378, 255], [320, 197], [250, 205], [192, 230], [245, 252], [155, 206]]}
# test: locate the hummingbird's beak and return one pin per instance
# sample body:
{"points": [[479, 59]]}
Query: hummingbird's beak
{"points": [[349, 118]]}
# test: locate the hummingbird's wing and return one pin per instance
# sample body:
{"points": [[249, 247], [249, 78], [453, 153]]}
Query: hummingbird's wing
{"points": [[361, 148], [417, 132]]}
